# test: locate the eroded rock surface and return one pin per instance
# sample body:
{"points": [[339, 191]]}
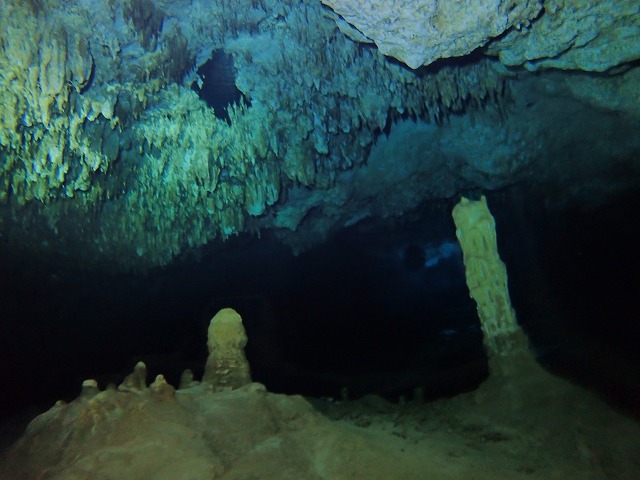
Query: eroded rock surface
{"points": [[419, 32], [522, 423], [563, 34], [575, 35]]}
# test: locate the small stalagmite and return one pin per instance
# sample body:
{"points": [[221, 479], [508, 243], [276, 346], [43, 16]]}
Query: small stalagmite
{"points": [[227, 366], [135, 381]]}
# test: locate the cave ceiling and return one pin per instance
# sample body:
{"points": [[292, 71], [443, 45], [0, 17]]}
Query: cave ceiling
{"points": [[112, 155]]}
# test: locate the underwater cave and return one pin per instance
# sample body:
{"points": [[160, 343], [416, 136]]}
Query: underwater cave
{"points": [[403, 261]]}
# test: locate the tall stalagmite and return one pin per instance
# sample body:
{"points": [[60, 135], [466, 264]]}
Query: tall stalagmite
{"points": [[487, 279]]}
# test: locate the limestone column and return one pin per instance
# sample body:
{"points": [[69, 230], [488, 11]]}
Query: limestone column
{"points": [[486, 276]]}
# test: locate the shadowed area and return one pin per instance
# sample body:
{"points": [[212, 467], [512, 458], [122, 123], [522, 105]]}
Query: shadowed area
{"points": [[217, 84], [351, 314]]}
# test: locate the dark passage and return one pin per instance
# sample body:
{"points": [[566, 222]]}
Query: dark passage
{"points": [[350, 317], [574, 282], [380, 308]]}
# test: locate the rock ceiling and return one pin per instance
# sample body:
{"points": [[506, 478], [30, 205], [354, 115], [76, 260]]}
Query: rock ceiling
{"points": [[108, 156]]}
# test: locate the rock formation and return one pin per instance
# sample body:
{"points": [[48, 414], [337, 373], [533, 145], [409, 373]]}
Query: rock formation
{"points": [[575, 35], [525, 426], [226, 367], [487, 276], [135, 381], [98, 116], [565, 34], [419, 32]]}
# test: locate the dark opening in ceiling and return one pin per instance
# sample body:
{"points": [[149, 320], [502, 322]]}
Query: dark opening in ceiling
{"points": [[218, 88]]}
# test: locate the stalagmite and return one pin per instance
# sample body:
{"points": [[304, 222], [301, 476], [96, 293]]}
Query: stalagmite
{"points": [[226, 366], [135, 381], [487, 279], [89, 389]]}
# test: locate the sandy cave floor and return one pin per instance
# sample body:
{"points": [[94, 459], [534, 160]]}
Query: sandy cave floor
{"points": [[521, 423]]}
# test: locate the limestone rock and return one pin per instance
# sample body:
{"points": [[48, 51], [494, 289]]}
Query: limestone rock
{"points": [[98, 117], [186, 379], [576, 35], [89, 388], [529, 425], [486, 276], [418, 32], [247, 432], [226, 366], [619, 94], [161, 388], [137, 380], [568, 34]]}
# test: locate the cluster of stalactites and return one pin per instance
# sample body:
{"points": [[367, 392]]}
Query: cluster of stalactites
{"points": [[66, 94], [133, 140]]}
